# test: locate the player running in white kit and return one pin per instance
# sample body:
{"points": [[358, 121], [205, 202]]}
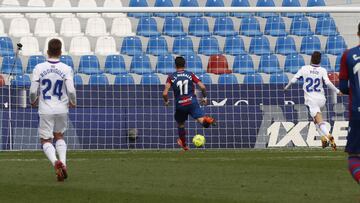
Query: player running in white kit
{"points": [[314, 77], [52, 88]]}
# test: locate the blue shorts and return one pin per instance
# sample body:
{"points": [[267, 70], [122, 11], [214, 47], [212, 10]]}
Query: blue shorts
{"points": [[182, 113], [353, 138]]}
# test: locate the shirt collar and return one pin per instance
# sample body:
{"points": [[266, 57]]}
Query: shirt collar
{"points": [[53, 60]]}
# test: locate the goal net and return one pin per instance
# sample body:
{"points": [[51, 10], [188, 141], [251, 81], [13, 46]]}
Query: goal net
{"points": [[121, 61]]}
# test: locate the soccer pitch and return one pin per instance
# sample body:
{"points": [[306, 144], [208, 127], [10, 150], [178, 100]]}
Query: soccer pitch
{"points": [[271, 175]]}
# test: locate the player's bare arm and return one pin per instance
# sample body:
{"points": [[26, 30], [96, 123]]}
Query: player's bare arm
{"points": [[166, 93], [203, 92]]}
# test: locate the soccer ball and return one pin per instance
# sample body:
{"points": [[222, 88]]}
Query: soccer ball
{"points": [[198, 140]]}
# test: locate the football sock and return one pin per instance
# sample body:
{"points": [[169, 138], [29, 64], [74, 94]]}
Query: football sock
{"points": [[49, 151], [61, 150], [354, 167], [182, 134], [322, 129]]}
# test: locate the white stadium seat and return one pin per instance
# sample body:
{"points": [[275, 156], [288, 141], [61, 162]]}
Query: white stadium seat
{"points": [[45, 27], [11, 3], [113, 4], [19, 27], [64, 4], [80, 46], [105, 46], [121, 27], [2, 29], [70, 27], [30, 46], [36, 3], [87, 4], [63, 50], [96, 27]]}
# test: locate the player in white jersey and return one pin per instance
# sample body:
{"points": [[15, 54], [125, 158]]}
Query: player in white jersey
{"points": [[314, 77], [52, 88]]}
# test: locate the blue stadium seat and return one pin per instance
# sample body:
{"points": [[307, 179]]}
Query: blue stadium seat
{"points": [[205, 78], [326, 26], [190, 3], [243, 64], [265, 3], [140, 64], [21, 81], [78, 80], [250, 27], [99, 79], [209, 46], [293, 63], [300, 26], [291, 3], [7, 65], [164, 3], [215, 3], [309, 44], [240, 3], [6, 46], [269, 63], [115, 64], [275, 26], [124, 79], [325, 63], [199, 27], [285, 46], [337, 63], [67, 60], [165, 64], [138, 3], [131, 46], [147, 27], [224, 26], [157, 46], [33, 61], [312, 3], [89, 64], [279, 78], [194, 63], [228, 79], [335, 45], [183, 45], [253, 79], [150, 79], [259, 46], [234, 45], [173, 27]]}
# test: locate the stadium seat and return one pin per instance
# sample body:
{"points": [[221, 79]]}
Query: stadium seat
{"points": [[78, 80], [209, 46], [140, 64], [7, 65], [183, 45], [285, 46], [243, 64], [105, 46], [279, 78], [6, 46], [250, 27], [30, 46], [259, 46], [325, 63], [228, 79], [326, 26], [224, 26], [253, 79], [36, 3], [215, 3], [275, 26], [293, 63], [147, 27], [80, 46], [70, 27], [164, 3], [150, 79], [19, 27], [165, 64], [173, 27], [33, 61], [45, 27], [199, 27], [337, 63], [334, 78], [205, 78], [300, 26], [269, 63], [2, 29], [265, 3], [21, 81], [131, 46], [113, 4], [99, 79], [89, 64], [67, 60], [291, 3], [194, 63], [190, 3], [157, 46], [335, 45], [234, 45], [115, 64], [121, 27], [312, 3], [309, 44], [63, 50], [218, 64], [96, 27], [62, 4], [138, 3], [124, 79], [87, 4], [11, 3], [240, 3]]}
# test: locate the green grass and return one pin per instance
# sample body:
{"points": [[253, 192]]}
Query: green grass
{"points": [[170, 176]]}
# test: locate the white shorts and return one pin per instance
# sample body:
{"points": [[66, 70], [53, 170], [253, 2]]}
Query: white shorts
{"points": [[52, 123], [315, 106]]}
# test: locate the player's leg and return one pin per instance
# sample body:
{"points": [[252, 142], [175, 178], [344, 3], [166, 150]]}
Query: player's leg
{"points": [[60, 127], [181, 117], [198, 113], [324, 131], [353, 149], [45, 132]]}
